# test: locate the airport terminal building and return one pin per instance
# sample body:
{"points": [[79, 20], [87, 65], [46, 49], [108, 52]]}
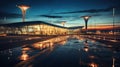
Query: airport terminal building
{"points": [[37, 28]]}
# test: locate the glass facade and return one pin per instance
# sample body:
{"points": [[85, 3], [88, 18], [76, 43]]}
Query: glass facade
{"points": [[37, 29]]}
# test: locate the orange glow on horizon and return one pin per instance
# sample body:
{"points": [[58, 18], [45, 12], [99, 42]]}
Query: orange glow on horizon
{"points": [[101, 27]]}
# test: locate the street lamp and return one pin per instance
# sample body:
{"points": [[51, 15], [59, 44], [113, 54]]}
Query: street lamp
{"points": [[23, 9], [86, 18]]}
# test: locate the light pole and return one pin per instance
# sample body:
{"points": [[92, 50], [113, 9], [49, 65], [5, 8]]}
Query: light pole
{"points": [[113, 20], [86, 18], [23, 9]]}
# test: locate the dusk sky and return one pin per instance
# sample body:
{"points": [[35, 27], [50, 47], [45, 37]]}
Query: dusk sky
{"points": [[56, 11]]}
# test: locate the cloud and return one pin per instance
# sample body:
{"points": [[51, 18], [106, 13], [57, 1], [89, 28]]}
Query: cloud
{"points": [[9, 15], [88, 11], [60, 21], [98, 14], [51, 16]]}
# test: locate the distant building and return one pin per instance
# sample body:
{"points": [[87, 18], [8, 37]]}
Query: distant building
{"points": [[105, 31], [37, 28]]}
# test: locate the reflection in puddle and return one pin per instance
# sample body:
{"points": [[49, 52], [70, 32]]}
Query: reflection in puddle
{"points": [[93, 64], [25, 48], [38, 46], [63, 42], [86, 42], [43, 45], [86, 49], [92, 57], [24, 56], [93, 41], [50, 42], [113, 62]]}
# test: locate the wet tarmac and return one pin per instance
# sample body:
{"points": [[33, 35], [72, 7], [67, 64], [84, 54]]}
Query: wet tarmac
{"points": [[62, 51]]}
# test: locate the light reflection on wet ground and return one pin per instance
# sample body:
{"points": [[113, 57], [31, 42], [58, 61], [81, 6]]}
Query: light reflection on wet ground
{"points": [[62, 51]]}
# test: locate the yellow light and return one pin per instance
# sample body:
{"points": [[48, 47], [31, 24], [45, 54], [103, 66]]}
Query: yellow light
{"points": [[86, 17], [23, 7], [40, 45]]}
